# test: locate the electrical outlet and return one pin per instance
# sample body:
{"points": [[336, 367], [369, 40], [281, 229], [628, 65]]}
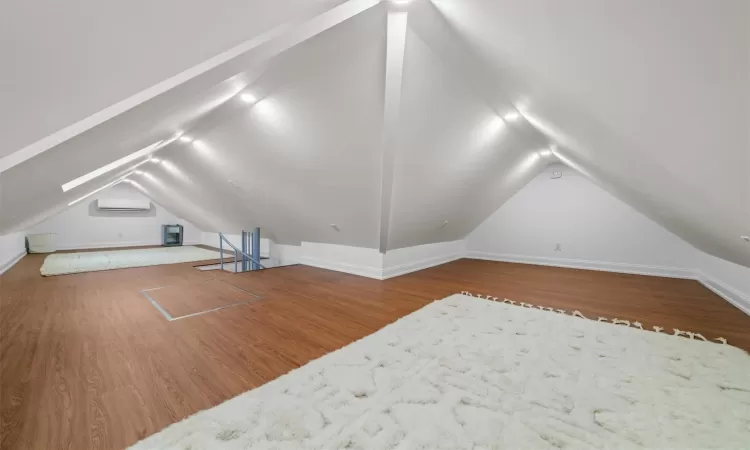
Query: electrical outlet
{"points": [[556, 174], [558, 247]]}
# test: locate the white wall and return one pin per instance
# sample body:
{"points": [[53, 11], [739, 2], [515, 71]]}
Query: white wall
{"points": [[594, 229], [285, 254], [84, 226], [727, 279], [369, 262], [12, 248], [410, 259]]}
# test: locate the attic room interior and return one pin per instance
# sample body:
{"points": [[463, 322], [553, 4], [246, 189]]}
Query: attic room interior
{"points": [[375, 224]]}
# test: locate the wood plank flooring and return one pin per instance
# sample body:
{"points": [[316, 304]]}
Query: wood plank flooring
{"points": [[86, 362], [181, 300]]}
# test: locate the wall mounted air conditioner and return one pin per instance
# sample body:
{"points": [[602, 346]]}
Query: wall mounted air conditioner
{"points": [[122, 204]]}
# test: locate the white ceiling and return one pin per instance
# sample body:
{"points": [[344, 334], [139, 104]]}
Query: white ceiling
{"points": [[70, 60], [450, 147], [648, 99]]}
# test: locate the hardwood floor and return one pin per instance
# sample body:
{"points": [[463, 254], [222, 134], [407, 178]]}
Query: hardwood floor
{"points": [[181, 300], [87, 362]]}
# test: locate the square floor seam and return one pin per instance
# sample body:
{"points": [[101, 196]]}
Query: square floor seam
{"points": [[164, 310]]}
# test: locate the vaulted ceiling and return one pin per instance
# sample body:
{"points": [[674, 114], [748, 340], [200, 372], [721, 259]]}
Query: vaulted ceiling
{"points": [[387, 119]]}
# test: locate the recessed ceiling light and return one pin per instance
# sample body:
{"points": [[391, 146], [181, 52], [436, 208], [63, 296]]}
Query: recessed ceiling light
{"points": [[111, 166], [186, 139], [511, 116], [247, 97]]}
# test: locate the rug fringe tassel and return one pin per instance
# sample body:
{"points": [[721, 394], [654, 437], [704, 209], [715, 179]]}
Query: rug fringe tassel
{"points": [[615, 321]]}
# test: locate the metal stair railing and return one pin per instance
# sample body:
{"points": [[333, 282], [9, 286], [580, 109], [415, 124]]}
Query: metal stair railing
{"points": [[237, 252]]}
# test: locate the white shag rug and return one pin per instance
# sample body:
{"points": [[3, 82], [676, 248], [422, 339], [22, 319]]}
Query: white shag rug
{"points": [[467, 373], [64, 263]]}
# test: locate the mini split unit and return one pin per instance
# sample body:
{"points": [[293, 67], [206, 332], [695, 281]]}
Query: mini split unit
{"points": [[122, 204]]}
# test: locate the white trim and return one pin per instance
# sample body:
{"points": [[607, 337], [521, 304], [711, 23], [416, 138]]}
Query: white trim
{"points": [[395, 44], [115, 244], [403, 269], [9, 265], [638, 269], [376, 272], [728, 293], [364, 271], [368, 262]]}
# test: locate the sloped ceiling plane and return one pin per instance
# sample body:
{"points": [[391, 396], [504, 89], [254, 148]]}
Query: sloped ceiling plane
{"points": [[387, 118]]}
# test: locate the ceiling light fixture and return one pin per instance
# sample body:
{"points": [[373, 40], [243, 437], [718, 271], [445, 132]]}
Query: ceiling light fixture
{"points": [[494, 125], [511, 116], [175, 171], [111, 166], [136, 185], [247, 97]]}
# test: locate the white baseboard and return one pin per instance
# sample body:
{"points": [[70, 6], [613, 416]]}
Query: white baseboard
{"points": [[364, 271], [8, 265], [368, 262], [728, 293], [376, 272], [637, 269], [390, 272], [89, 246]]}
